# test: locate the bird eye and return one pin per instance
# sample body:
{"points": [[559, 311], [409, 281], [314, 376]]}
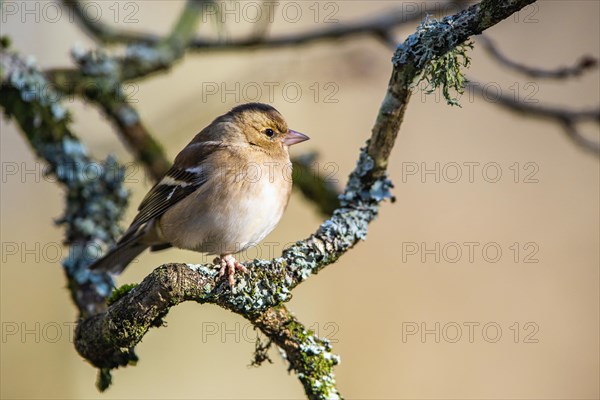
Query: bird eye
{"points": [[269, 132]]}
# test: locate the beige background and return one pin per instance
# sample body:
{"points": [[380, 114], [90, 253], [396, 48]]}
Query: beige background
{"points": [[363, 302]]}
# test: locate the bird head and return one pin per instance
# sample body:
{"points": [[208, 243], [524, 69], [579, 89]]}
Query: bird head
{"points": [[264, 127]]}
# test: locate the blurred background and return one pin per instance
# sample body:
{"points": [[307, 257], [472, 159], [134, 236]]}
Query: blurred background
{"points": [[480, 281]]}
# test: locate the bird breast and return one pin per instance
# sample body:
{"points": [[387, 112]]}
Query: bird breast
{"points": [[235, 209]]}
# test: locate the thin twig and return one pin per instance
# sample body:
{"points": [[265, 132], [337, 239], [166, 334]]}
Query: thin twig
{"points": [[105, 33], [585, 64], [569, 120], [380, 25]]}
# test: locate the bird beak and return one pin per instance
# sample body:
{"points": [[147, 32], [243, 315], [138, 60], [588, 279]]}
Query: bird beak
{"points": [[294, 137]]}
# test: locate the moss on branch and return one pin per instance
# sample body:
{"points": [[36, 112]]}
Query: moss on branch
{"points": [[108, 338], [269, 283], [414, 55]]}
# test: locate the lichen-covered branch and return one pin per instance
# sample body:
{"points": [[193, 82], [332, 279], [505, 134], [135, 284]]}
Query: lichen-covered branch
{"points": [[569, 120], [96, 197], [432, 40], [109, 94], [141, 58], [267, 284], [309, 356], [107, 339], [94, 207], [100, 79]]}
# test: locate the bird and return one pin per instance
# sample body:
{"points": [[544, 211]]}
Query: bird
{"points": [[226, 191]]}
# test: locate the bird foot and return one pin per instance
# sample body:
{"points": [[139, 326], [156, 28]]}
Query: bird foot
{"points": [[228, 266]]}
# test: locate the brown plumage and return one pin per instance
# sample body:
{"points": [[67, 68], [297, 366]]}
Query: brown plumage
{"points": [[226, 190]]}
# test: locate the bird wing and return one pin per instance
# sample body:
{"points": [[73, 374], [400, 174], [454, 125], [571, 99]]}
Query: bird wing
{"points": [[175, 186], [190, 171]]}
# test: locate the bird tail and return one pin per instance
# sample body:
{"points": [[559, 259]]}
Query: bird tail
{"points": [[119, 257]]}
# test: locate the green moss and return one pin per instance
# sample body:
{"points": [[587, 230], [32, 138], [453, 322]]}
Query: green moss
{"points": [[445, 72], [120, 292], [437, 50], [152, 151], [316, 371], [104, 379], [4, 42]]}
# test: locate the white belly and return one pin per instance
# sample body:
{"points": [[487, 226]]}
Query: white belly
{"points": [[229, 217]]}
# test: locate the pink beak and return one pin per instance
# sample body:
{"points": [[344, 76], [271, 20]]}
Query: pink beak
{"points": [[294, 137]]}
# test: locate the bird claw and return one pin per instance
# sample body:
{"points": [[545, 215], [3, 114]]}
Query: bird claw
{"points": [[228, 266]]}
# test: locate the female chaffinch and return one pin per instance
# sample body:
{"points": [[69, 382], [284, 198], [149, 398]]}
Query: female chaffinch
{"points": [[226, 191]]}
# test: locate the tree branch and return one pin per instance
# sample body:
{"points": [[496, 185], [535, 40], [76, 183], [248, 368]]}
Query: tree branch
{"points": [[108, 338], [380, 26], [567, 119], [309, 356], [585, 64], [106, 90], [315, 187], [141, 59], [129, 318], [95, 200], [105, 33], [100, 77], [430, 41]]}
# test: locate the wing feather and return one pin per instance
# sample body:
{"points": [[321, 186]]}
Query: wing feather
{"points": [[189, 172]]}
